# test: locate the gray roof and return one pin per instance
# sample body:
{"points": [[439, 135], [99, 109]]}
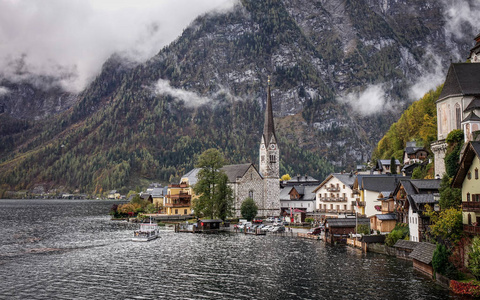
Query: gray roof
{"points": [[471, 117], [306, 193], [192, 176], [474, 104], [423, 198], [413, 150], [380, 182], [405, 244], [423, 252], [235, 171], [347, 179], [462, 79], [426, 184], [302, 179], [386, 217], [157, 192], [347, 222]]}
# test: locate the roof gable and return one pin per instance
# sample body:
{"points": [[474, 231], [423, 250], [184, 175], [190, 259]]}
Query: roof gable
{"points": [[462, 79], [236, 171], [471, 150]]}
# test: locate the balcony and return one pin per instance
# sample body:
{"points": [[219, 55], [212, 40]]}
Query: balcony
{"points": [[181, 196], [360, 203], [333, 189], [340, 199], [471, 206], [471, 229], [178, 204]]}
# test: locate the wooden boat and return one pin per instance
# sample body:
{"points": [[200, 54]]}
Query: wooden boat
{"points": [[146, 233]]}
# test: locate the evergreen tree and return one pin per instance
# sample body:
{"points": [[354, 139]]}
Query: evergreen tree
{"points": [[393, 166]]}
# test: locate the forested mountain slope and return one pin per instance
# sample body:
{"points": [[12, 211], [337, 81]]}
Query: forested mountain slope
{"points": [[142, 122]]}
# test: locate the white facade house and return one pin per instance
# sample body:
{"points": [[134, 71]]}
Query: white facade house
{"points": [[334, 196]]}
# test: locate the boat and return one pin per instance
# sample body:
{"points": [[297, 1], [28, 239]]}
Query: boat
{"points": [[147, 232]]}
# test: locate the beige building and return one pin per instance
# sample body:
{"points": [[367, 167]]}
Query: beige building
{"points": [[334, 197]]}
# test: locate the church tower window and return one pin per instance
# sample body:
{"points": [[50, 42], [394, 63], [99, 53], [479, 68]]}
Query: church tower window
{"points": [[458, 116]]}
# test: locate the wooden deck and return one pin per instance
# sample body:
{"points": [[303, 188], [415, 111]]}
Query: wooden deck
{"points": [[308, 236]]}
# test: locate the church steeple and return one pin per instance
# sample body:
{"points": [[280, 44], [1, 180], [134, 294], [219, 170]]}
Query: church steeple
{"points": [[269, 128], [269, 165]]}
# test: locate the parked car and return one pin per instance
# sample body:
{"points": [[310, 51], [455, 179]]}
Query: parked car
{"points": [[270, 219], [257, 221], [267, 228], [278, 229]]}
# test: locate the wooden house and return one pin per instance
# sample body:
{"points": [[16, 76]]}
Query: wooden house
{"points": [[403, 248], [338, 229], [422, 258]]}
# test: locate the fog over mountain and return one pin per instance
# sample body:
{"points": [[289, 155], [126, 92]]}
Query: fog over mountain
{"points": [[70, 40]]}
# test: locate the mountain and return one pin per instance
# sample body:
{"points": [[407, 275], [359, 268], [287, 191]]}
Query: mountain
{"points": [[140, 122]]}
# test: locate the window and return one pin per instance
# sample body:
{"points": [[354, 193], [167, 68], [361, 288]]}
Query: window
{"points": [[250, 194], [458, 117], [476, 173], [343, 186], [469, 175], [176, 211], [185, 211], [468, 197], [273, 159]]}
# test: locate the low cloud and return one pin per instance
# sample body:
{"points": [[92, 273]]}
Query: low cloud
{"points": [[65, 43], [370, 101], [462, 18], [432, 75], [3, 91], [192, 99]]}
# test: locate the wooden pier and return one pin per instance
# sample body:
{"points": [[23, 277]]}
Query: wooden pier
{"points": [[308, 236]]}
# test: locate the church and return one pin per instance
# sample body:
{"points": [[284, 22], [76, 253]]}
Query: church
{"points": [[246, 181], [458, 106]]}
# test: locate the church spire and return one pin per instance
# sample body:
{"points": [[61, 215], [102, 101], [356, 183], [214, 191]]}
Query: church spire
{"points": [[269, 128]]}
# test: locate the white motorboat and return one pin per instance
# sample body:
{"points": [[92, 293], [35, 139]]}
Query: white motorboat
{"points": [[146, 233]]}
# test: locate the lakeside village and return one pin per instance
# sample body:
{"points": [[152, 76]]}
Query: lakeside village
{"points": [[435, 223]]}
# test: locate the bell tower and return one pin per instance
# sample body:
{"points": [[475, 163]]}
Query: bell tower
{"points": [[269, 152], [269, 165]]}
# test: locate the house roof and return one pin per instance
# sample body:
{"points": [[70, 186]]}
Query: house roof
{"points": [[299, 178], [474, 104], [378, 238], [380, 182], [157, 192], [192, 176], [386, 217], [347, 179], [306, 193], [423, 198], [406, 244], [410, 167], [423, 252], [413, 150], [346, 222], [471, 150], [462, 79], [472, 117], [235, 171], [386, 162], [425, 184]]}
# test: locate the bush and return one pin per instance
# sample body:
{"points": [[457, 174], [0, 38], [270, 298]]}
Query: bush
{"points": [[399, 232], [474, 258]]}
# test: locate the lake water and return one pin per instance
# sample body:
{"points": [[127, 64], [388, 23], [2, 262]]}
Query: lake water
{"points": [[68, 249]]}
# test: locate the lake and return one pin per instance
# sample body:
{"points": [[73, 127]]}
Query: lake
{"points": [[70, 249]]}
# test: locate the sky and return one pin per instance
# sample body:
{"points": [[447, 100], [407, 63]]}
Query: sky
{"points": [[74, 38]]}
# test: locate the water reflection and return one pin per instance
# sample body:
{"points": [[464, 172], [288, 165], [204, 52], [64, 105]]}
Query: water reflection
{"points": [[58, 249]]}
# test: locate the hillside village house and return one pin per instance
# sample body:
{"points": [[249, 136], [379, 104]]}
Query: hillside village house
{"points": [[113, 195], [411, 197], [458, 106], [368, 187], [334, 196], [468, 179], [383, 166], [178, 200], [299, 197], [387, 219]]}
